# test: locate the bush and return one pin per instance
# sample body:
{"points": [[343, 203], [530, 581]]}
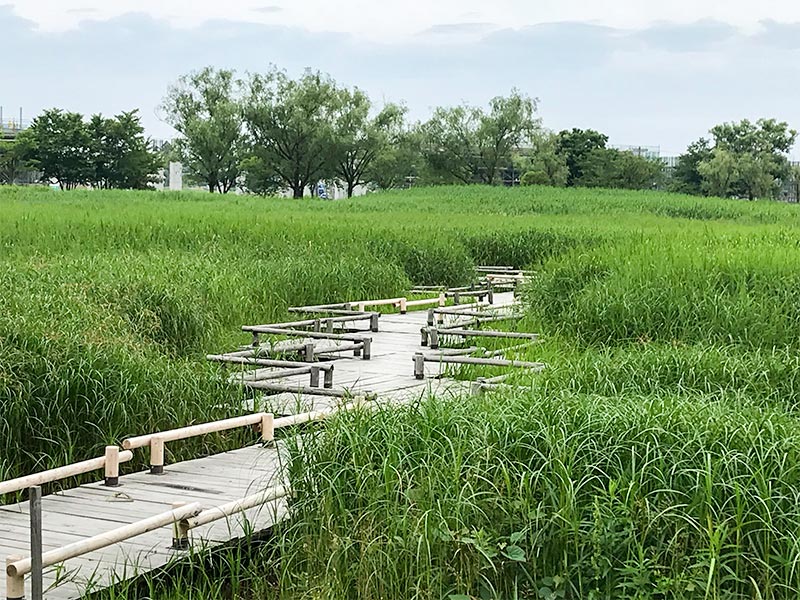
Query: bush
{"points": [[535, 178]]}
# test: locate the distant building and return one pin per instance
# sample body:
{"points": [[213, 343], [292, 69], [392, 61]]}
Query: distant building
{"points": [[651, 152], [10, 125]]}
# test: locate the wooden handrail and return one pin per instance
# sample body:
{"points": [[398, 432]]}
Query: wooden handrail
{"points": [[420, 360], [223, 425], [193, 430], [22, 567], [355, 316], [308, 334], [440, 301], [79, 468], [263, 362], [314, 415], [487, 333], [231, 508]]}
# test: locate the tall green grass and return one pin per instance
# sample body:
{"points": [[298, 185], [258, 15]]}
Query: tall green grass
{"points": [[653, 459], [548, 495], [110, 300], [679, 288]]}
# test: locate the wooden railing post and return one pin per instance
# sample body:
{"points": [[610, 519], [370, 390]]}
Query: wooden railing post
{"points": [[367, 348], [35, 509], [433, 334], [314, 382], [442, 299], [268, 428], [180, 532], [403, 306], [15, 584], [157, 456], [373, 322], [431, 316], [112, 466], [424, 334], [419, 365], [328, 383], [309, 352]]}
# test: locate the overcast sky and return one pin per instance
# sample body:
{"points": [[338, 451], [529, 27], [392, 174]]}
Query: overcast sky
{"points": [[645, 73]]}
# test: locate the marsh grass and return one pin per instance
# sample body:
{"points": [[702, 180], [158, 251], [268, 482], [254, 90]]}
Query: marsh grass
{"points": [[548, 495], [655, 458]]}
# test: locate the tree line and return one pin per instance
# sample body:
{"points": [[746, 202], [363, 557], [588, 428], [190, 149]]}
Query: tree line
{"points": [[66, 148], [270, 132], [267, 133]]}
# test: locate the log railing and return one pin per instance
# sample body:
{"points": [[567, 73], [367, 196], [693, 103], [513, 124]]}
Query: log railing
{"points": [[110, 462], [182, 517], [17, 567], [185, 517]]}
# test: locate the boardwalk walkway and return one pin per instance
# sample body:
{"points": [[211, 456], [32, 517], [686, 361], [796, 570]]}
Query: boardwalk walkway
{"points": [[76, 514]]}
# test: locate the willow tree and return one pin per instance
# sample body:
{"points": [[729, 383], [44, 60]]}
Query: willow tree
{"points": [[290, 123], [205, 109], [471, 145], [360, 139]]}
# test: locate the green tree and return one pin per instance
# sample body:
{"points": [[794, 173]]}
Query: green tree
{"points": [[468, 144], [794, 183], [120, 153], [14, 158], [358, 139], [205, 109], [634, 172], [291, 125], [765, 135], [544, 165], [686, 177], [761, 151], [60, 148], [534, 178], [610, 168], [757, 175], [720, 173], [398, 164], [576, 146], [258, 179]]}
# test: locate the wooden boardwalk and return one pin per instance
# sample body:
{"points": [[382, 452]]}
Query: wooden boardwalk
{"points": [[76, 514]]}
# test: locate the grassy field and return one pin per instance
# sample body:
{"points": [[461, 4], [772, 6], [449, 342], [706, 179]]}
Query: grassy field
{"points": [[656, 458]]}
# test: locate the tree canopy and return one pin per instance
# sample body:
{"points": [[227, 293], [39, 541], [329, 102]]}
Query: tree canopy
{"points": [[746, 160], [268, 133], [575, 146], [291, 124], [359, 139], [205, 108], [102, 153], [470, 145]]}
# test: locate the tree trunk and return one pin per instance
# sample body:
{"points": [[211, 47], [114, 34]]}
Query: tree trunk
{"points": [[351, 186], [297, 191]]}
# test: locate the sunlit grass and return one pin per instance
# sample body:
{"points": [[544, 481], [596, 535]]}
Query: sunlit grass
{"points": [[654, 458]]}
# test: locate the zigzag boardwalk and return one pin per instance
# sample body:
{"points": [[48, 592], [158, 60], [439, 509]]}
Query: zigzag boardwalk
{"points": [[95, 534], [74, 515]]}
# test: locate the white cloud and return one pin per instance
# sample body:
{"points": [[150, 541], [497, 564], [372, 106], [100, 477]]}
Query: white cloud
{"points": [[665, 84], [394, 20]]}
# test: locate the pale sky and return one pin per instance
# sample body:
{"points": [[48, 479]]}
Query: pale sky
{"points": [[644, 72], [396, 19]]}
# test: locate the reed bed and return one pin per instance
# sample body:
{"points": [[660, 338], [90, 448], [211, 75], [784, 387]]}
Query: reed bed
{"points": [[654, 458]]}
